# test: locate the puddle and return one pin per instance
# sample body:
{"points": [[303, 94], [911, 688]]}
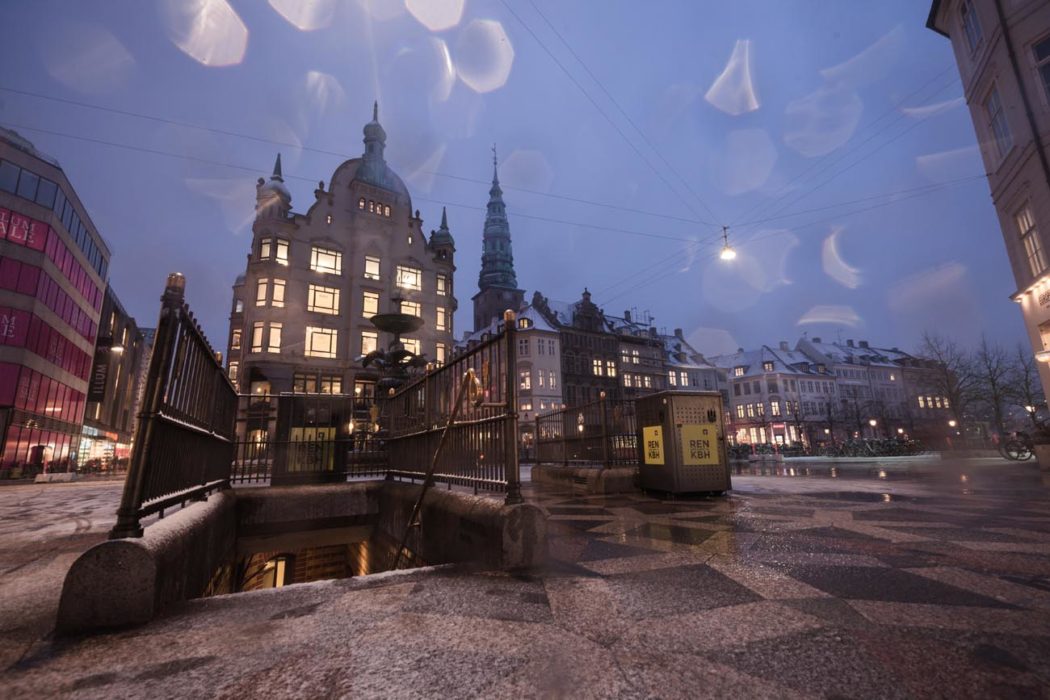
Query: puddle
{"points": [[275, 561]]}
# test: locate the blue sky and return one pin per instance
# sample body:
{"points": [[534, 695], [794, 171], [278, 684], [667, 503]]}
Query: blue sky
{"points": [[830, 136]]}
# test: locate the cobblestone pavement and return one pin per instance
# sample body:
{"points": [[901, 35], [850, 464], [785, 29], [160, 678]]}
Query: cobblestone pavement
{"points": [[934, 583]]}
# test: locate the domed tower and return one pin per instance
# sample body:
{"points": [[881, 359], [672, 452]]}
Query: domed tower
{"points": [[497, 283]]}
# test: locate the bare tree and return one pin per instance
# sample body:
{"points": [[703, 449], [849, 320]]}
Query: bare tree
{"points": [[953, 375], [993, 371], [1025, 388]]}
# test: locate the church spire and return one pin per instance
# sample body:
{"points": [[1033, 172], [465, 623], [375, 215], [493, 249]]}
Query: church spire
{"points": [[497, 259], [277, 170], [444, 220]]}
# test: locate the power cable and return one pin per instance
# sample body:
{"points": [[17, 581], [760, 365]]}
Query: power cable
{"points": [[321, 151], [605, 114], [621, 110]]}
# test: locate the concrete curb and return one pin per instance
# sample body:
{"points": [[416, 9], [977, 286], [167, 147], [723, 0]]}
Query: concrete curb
{"points": [[593, 481]]}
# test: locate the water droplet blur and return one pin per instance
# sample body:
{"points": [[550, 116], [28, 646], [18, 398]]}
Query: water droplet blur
{"points": [[436, 15], [322, 91], [746, 161], [871, 64], [834, 266], [483, 55], [527, 169], [932, 109], [382, 10], [822, 121], [306, 15], [732, 91], [834, 314], [87, 58], [208, 31]]}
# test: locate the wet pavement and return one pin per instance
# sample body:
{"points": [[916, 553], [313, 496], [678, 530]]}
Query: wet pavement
{"points": [[928, 580]]}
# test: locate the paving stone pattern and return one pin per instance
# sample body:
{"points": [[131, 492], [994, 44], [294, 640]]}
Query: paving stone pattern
{"points": [[813, 587]]}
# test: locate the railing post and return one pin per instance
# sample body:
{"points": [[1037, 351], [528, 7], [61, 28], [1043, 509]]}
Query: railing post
{"points": [[511, 466], [603, 416], [564, 436], [536, 441], [128, 524]]}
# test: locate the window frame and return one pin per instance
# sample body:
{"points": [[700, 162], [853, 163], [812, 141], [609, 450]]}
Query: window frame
{"points": [[333, 343], [400, 273], [317, 251], [312, 292]]}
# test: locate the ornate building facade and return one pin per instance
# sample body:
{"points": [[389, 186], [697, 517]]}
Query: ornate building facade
{"points": [[300, 319]]}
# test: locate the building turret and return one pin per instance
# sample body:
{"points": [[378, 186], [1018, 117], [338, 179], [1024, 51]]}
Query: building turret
{"points": [[373, 166], [273, 198]]}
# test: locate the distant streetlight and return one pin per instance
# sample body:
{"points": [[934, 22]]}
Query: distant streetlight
{"points": [[900, 431], [1030, 409], [952, 423], [727, 253], [873, 422]]}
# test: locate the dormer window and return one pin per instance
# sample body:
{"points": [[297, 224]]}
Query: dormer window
{"points": [[767, 366], [738, 371]]}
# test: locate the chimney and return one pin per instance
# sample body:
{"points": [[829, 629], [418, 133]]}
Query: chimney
{"points": [[816, 340], [783, 345], [850, 342], [678, 333], [627, 315], [864, 343]]}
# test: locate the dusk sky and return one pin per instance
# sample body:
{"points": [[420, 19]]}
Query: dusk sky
{"points": [[831, 137]]}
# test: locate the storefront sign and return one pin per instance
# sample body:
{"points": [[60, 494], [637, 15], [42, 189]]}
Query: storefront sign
{"points": [[653, 443], [699, 444], [99, 373]]}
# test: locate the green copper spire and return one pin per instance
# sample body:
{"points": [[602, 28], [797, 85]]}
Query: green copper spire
{"points": [[497, 259]]}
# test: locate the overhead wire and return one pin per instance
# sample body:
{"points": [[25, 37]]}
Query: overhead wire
{"points": [[322, 151], [609, 119]]}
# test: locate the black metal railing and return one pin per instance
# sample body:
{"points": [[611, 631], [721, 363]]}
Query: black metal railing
{"points": [[184, 444], [602, 433], [481, 446]]}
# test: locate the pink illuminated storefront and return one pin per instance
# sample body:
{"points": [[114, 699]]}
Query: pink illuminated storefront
{"points": [[52, 270]]}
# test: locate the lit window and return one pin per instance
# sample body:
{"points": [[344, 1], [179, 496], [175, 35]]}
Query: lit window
{"points": [[238, 306], [412, 308], [760, 408], [235, 340], [740, 411], [408, 277], [372, 206], [439, 353], [541, 378], [971, 26], [369, 342], [596, 367], [371, 268], [751, 410], [274, 345], [257, 336], [738, 371], [328, 219], [265, 248], [993, 107], [1030, 236], [412, 345], [326, 260], [361, 204], [775, 406], [767, 366], [262, 288], [648, 382], [321, 342], [627, 380], [329, 384], [526, 405], [282, 252], [610, 368], [303, 383], [552, 380], [232, 372], [635, 357], [442, 319], [278, 293], [672, 378], [370, 304], [323, 300], [386, 212], [442, 285], [525, 379]]}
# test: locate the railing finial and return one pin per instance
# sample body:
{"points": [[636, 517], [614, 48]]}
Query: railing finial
{"points": [[176, 286]]}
